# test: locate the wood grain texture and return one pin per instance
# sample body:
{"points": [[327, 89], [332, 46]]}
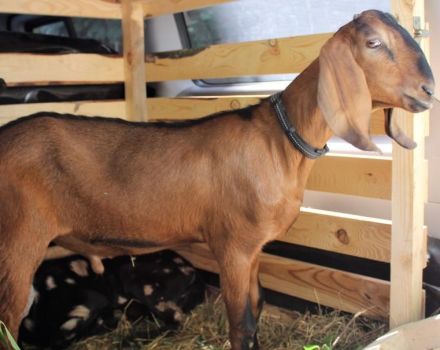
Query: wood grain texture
{"points": [[113, 109], [408, 252], [359, 176], [288, 55], [196, 107], [101, 8], [157, 108], [277, 56], [342, 233], [134, 66], [21, 69], [342, 290], [162, 7], [76, 8]]}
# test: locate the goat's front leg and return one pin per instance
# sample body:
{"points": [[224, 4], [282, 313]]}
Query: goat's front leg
{"points": [[235, 279], [256, 296]]}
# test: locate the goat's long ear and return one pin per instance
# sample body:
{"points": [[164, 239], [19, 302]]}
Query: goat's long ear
{"points": [[343, 94]]}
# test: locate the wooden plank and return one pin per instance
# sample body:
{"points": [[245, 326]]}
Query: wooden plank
{"points": [[134, 66], [23, 69], [408, 252], [277, 56], [377, 125], [78, 8], [342, 233], [354, 175], [100, 8], [196, 107], [163, 7], [113, 109], [287, 55], [338, 289], [157, 108]]}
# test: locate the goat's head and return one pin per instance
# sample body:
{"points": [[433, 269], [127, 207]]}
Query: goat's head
{"points": [[372, 62]]}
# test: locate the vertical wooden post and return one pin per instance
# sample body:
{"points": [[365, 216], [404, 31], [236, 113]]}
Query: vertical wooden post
{"points": [[134, 59], [408, 250]]}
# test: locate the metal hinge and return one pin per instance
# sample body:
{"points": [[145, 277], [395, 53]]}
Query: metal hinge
{"points": [[419, 32]]}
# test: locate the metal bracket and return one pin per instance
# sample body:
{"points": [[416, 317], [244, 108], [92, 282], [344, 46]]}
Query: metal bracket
{"points": [[419, 32]]}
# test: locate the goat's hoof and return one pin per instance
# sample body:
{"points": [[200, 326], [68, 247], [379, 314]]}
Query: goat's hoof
{"points": [[250, 344]]}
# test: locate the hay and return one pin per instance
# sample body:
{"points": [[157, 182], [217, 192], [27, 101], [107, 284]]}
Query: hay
{"points": [[206, 329]]}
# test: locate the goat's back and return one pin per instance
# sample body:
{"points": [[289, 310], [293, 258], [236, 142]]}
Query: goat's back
{"points": [[111, 176]]}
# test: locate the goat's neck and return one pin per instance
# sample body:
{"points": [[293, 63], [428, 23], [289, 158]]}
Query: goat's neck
{"points": [[300, 101]]}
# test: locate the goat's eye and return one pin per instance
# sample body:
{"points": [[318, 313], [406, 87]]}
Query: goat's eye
{"points": [[374, 43]]}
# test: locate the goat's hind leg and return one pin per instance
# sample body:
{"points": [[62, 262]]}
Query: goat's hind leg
{"points": [[18, 264], [23, 243]]}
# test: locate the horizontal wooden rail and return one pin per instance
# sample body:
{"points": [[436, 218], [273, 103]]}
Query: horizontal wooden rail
{"points": [[37, 69], [73, 8], [100, 8], [276, 56], [113, 109], [157, 108], [353, 235], [353, 175], [288, 55], [163, 7], [338, 289], [196, 107]]}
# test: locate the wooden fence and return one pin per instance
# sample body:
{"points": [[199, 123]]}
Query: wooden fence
{"points": [[400, 242]]}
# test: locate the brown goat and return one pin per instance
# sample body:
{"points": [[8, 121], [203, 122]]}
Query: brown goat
{"points": [[232, 180]]}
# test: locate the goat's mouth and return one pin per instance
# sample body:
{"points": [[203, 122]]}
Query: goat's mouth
{"points": [[393, 130], [416, 105]]}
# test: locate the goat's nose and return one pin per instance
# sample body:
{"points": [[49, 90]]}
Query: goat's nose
{"points": [[429, 90]]}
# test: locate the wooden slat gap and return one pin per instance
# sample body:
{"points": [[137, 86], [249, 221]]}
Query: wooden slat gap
{"points": [[342, 215]]}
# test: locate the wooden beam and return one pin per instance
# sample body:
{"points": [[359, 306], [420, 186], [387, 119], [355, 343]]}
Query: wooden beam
{"points": [[114, 109], [287, 55], [277, 56], [196, 107], [163, 7], [354, 235], [157, 108], [76, 8], [354, 175], [134, 66], [408, 252], [36, 69], [325, 286], [100, 8]]}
